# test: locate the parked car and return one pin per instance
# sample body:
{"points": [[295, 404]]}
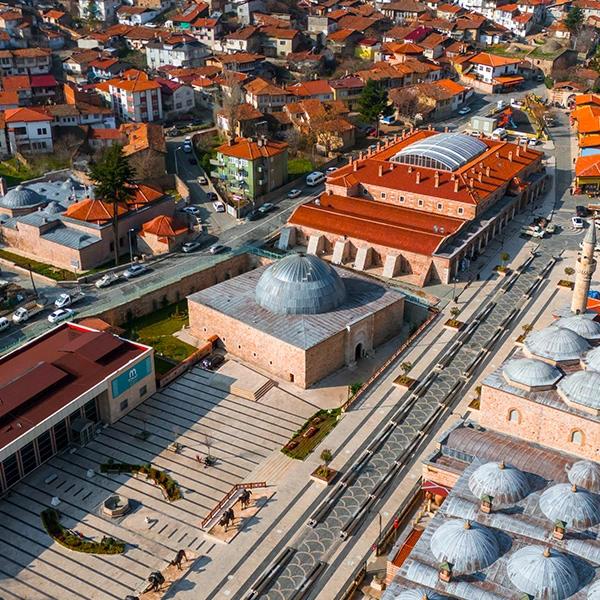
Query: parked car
{"points": [[331, 170], [552, 228], [465, 110], [253, 215], [217, 248], [187, 145], [107, 280], [211, 196], [389, 120], [219, 206], [190, 247], [135, 271], [202, 180], [60, 315], [294, 193], [266, 207], [372, 131], [213, 361], [577, 222], [65, 299], [192, 210], [4, 323], [581, 211]]}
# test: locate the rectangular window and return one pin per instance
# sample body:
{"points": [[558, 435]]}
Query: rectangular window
{"points": [[461, 210], [42, 131], [44, 443], [124, 404], [61, 437], [440, 206], [28, 458], [383, 195], [11, 470], [143, 391], [91, 411], [420, 202], [401, 198]]}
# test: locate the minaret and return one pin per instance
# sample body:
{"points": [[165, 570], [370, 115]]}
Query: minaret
{"points": [[584, 269]]}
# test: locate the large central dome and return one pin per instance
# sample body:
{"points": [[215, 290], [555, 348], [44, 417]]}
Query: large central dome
{"points": [[300, 285]]}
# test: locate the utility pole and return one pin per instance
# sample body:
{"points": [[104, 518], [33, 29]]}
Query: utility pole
{"points": [[32, 281]]}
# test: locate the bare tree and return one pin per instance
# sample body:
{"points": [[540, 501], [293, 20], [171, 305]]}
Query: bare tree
{"points": [[232, 97], [585, 39], [409, 104], [208, 442]]}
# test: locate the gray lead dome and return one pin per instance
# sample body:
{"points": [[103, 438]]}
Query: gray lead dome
{"points": [[21, 197], [531, 373], [556, 343], [505, 484], [419, 594], [585, 474], [300, 285], [574, 506]]}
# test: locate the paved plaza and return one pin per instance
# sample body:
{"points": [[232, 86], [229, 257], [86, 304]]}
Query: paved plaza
{"points": [[245, 438]]}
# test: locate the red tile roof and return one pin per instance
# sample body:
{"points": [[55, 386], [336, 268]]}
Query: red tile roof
{"points": [[250, 150], [588, 166], [492, 60], [93, 211], [164, 226], [27, 115]]}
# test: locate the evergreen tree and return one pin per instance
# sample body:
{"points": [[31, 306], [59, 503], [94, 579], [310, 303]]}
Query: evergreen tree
{"points": [[374, 102], [574, 18], [113, 178]]}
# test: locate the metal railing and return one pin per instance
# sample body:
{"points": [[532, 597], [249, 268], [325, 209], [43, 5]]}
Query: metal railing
{"points": [[236, 488]]}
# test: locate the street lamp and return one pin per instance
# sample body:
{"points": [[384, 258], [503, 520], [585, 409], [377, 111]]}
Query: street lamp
{"points": [[129, 231], [454, 281]]}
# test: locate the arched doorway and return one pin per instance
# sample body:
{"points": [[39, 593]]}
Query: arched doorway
{"points": [[358, 352]]}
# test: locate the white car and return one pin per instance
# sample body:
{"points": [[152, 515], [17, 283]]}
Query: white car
{"points": [[192, 210], [331, 170], [190, 247], [62, 314], [219, 207], [465, 110], [107, 280], [4, 323], [135, 271], [187, 144], [577, 222], [294, 193], [217, 248], [202, 180]]}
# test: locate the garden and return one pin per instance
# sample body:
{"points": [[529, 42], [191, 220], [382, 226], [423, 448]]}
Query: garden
{"points": [[167, 484], [73, 541], [308, 437]]}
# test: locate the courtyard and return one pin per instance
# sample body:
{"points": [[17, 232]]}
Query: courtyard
{"points": [[244, 437]]}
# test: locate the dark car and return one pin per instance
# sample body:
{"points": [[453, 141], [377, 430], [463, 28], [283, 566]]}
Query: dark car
{"points": [[213, 361], [253, 215], [211, 196], [581, 211]]}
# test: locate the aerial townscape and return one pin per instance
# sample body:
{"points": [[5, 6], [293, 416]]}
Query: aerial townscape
{"points": [[299, 299]]}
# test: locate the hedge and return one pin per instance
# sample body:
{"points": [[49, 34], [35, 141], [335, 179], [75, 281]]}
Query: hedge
{"points": [[169, 486]]}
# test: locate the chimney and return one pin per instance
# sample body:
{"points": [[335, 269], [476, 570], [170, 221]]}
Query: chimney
{"points": [[436, 179], [446, 129], [560, 528], [355, 167], [410, 168], [418, 177], [380, 170], [445, 572], [456, 182], [471, 182], [486, 504], [2, 186], [497, 154], [487, 171], [518, 151], [480, 176], [350, 160], [510, 156]]}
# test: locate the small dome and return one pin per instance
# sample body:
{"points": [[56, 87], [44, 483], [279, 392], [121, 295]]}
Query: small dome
{"points": [[21, 197], [67, 184], [300, 285], [592, 359], [505, 484], [531, 373], [467, 546], [54, 208], [581, 387], [543, 573], [419, 594], [574, 506], [556, 343], [585, 474], [594, 591], [583, 326]]}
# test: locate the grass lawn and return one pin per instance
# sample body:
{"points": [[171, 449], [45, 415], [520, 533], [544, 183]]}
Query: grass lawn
{"points": [[157, 329], [55, 273], [14, 171], [298, 167], [320, 424]]}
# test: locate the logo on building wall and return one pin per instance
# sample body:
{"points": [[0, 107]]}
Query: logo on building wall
{"points": [[132, 375]]}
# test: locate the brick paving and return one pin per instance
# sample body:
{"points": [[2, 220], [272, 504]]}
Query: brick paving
{"points": [[246, 437]]}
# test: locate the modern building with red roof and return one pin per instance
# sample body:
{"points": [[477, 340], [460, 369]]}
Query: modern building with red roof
{"points": [[58, 389], [420, 206]]}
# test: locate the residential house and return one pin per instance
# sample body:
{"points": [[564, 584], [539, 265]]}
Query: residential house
{"points": [[28, 130], [245, 117], [315, 89], [34, 89], [239, 62], [8, 99], [187, 52], [134, 97], [135, 15], [347, 90], [25, 61], [184, 18], [367, 48], [342, 42], [246, 39], [103, 68], [177, 98], [492, 73], [277, 42], [319, 27], [77, 66], [249, 168], [207, 31], [265, 96], [81, 114], [433, 45], [56, 17], [104, 11], [308, 62], [403, 11]]}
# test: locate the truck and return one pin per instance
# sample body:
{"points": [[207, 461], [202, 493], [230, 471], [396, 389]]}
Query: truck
{"points": [[25, 312], [67, 299]]}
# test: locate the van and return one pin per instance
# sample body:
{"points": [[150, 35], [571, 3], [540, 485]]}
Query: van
{"points": [[315, 178]]}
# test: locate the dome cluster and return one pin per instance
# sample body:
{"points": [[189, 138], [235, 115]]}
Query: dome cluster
{"points": [[581, 388]]}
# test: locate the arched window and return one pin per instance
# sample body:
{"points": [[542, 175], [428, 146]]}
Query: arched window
{"points": [[514, 416], [577, 437]]}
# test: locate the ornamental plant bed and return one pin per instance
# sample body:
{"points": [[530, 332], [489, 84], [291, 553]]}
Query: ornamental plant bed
{"points": [[404, 381], [502, 270], [323, 474], [519, 341], [566, 284], [169, 486], [454, 324], [63, 536], [301, 445]]}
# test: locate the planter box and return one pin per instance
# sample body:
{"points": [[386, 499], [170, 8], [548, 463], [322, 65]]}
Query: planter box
{"points": [[315, 476], [454, 324], [502, 271], [565, 283], [403, 381]]}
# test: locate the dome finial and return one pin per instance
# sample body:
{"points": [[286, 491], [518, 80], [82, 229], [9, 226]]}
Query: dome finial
{"points": [[501, 465], [547, 552], [573, 488], [467, 524]]}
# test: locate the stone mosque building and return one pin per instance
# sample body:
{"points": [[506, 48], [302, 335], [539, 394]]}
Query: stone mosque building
{"points": [[299, 319]]}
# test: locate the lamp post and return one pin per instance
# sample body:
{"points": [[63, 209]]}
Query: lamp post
{"points": [[454, 289], [129, 231]]}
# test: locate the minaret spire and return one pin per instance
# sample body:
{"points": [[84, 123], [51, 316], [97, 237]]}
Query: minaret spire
{"points": [[584, 269]]}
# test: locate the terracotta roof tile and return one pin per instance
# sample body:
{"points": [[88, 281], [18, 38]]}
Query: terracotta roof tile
{"points": [[164, 226], [250, 150], [588, 166], [492, 60], [28, 115], [93, 211]]}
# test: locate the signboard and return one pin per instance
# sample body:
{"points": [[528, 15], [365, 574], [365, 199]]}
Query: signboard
{"points": [[130, 377]]}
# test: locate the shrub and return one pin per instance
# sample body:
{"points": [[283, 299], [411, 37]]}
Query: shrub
{"points": [[160, 478]]}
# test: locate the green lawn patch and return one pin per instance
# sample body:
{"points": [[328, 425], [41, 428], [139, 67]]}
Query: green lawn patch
{"points": [[41, 268], [168, 485], [306, 439], [298, 167], [157, 329], [70, 540]]}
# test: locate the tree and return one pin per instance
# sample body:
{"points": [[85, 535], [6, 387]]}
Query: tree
{"points": [[92, 12], [326, 457], [374, 102], [113, 178], [504, 257], [208, 442], [574, 18], [455, 311], [406, 367], [569, 271], [231, 101], [410, 104]]}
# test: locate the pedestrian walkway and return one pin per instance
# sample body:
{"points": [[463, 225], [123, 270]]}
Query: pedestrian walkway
{"points": [[244, 437]]}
